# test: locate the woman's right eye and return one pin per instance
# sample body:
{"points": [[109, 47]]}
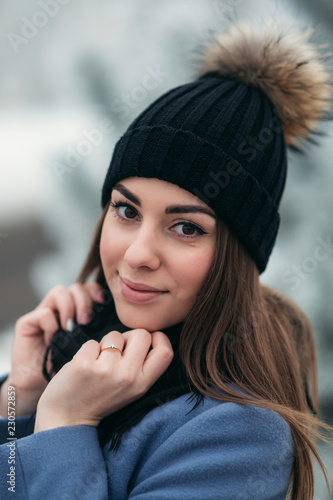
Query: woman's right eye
{"points": [[123, 211]]}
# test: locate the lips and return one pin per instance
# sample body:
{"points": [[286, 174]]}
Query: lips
{"points": [[138, 292], [140, 287]]}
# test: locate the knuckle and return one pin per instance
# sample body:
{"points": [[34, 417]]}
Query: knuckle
{"points": [[82, 367], [127, 378], [21, 321], [91, 343], [105, 371], [59, 290], [143, 333], [76, 286], [113, 335], [167, 353], [48, 314], [44, 313]]}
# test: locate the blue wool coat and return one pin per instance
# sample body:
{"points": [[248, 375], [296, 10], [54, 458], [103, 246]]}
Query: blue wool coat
{"points": [[219, 451]]}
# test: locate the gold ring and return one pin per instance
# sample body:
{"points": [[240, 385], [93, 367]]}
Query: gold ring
{"points": [[112, 346]]}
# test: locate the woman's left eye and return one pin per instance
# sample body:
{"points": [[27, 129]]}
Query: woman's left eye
{"points": [[189, 230], [127, 213]]}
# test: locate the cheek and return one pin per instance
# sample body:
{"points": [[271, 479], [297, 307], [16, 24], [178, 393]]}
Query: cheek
{"points": [[109, 252], [191, 272], [103, 245]]}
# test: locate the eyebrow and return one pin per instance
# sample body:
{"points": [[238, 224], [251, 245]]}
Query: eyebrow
{"points": [[170, 209]]}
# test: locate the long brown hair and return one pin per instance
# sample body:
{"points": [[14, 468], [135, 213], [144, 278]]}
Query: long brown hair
{"points": [[242, 332]]}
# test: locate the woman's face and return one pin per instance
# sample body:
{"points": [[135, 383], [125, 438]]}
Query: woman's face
{"points": [[155, 235]]}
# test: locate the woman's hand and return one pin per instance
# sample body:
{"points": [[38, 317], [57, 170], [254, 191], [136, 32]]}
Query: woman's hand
{"points": [[97, 383], [34, 332]]}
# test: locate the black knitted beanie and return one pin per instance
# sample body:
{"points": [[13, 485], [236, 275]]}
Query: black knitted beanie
{"points": [[223, 137]]}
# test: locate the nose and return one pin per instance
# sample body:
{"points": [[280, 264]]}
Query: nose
{"points": [[143, 250]]}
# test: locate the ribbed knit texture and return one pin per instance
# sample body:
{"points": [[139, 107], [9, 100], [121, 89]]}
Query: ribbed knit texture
{"points": [[219, 139]]}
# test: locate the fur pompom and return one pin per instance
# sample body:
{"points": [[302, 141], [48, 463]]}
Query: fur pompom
{"points": [[282, 64]]}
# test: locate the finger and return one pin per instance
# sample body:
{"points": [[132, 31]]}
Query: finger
{"points": [[82, 303], [96, 292], [60, 300], [49, 364], [89, 351], [39, 321], [115, 338], [158, 359], [137, 344]]}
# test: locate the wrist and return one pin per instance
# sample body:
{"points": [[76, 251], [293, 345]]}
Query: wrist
{"points": [[45, 422], [47, 419], [24, 402]]}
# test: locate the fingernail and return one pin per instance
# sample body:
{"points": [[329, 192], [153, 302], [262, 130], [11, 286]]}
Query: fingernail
{"points": [[69, 325], [85, 318], [101, 296]]}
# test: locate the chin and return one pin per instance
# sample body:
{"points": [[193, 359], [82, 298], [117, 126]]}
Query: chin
{"points": [[144, 321], [147, 324]]}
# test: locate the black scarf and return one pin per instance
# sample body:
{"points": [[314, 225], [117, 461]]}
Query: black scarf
{"points": [[172, 384]]}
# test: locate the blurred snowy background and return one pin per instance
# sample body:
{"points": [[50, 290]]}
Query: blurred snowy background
{"points": [[73, 76]]}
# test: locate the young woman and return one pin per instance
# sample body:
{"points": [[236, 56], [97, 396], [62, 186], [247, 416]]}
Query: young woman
{"points": [[183, 376]]}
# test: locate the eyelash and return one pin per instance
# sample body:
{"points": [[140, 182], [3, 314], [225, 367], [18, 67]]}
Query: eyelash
{"points": [[116, 205]]}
